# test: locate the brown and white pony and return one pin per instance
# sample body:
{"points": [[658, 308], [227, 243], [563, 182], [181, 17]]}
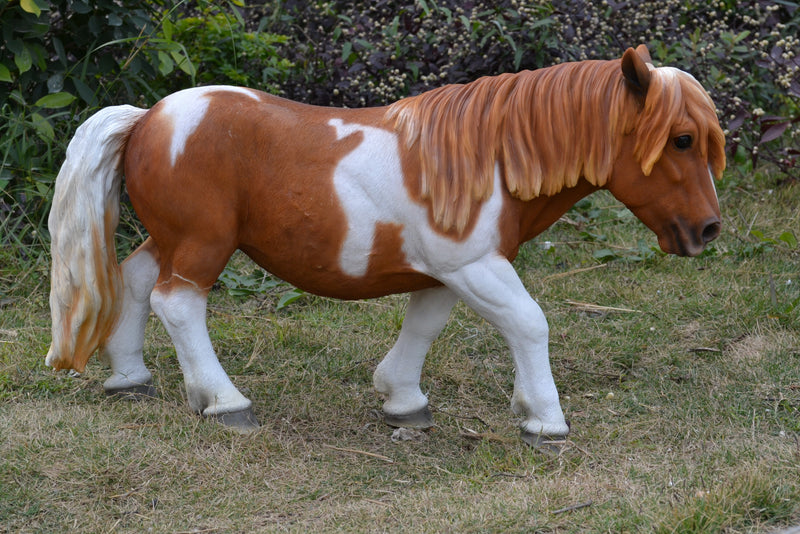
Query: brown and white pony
{"points": [[431, 195]]}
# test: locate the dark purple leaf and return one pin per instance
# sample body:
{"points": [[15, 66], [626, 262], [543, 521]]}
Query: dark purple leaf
{"points": [[737, 121], [794, 88], [774, 131]]}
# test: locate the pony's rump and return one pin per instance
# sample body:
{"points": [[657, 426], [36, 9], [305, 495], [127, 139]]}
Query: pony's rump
{"points": [[85, 277]]}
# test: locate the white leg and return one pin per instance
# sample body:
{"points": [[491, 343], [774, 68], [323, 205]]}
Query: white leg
{"points": [[123, 349], [492, 288], [397, 376], [182, 309]]}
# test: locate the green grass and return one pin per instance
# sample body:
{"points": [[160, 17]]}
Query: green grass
{"points": [[681, 382]]}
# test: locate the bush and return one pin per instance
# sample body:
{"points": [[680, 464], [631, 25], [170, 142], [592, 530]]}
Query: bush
{"points": [[77, 49], [222, 51], [364, 55], [60, 61]]}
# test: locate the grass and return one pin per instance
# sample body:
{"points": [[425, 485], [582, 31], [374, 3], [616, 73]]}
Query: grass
{"points": [[681, 379]]}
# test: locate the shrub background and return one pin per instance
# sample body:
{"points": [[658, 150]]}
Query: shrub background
{"points": [[60, 61]]}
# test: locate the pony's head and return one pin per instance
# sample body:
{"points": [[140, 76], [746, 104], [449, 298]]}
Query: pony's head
{"points": [[667, 164]]}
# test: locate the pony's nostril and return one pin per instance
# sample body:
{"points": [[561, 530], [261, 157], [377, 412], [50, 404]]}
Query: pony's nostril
{"points": [[711, 232]]}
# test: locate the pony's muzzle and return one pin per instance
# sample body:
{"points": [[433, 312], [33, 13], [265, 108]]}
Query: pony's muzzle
{"points": [[711, 231], [683, 239], [698, 241]]}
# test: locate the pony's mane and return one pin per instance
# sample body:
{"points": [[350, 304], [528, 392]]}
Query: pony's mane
{"points": [[545, 129]]}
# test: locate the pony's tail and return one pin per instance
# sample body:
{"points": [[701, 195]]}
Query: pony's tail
{"points": [[86, 282]]}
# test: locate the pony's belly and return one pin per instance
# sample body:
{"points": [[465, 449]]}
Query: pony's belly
{"points": [[326, 278]]}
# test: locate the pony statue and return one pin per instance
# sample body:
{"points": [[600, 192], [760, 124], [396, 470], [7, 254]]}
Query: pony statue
{"points": [[432, 195]]}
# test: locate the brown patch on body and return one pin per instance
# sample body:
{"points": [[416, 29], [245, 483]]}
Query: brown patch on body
{"points": [[521, 221]]}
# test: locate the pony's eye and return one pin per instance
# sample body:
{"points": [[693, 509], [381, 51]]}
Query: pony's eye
{"points": [[682, 142]]}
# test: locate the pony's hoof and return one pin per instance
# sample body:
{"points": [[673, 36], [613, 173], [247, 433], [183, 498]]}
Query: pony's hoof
{"points": [[419, 419], [137, 392], [549, 444], [243, 421]]}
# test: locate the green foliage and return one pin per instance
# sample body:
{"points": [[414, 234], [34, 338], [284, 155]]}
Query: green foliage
{"points": [[27, 140], [356, 54], [787, 238], [60, 61], [258, 282], [643, 251], [223, 51], [76, 48]]}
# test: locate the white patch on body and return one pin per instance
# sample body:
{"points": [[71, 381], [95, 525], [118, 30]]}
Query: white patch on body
{"points": [[187, 108], [369, 184]]}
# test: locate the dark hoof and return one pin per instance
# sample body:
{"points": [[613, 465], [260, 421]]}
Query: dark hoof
{"points": [[137, 392], [550, 444], [419, 419], [243, 421]]}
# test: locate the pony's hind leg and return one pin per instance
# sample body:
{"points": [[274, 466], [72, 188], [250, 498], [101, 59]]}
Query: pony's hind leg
{"points": [[180, 303], [123, 348], [397, 376]]}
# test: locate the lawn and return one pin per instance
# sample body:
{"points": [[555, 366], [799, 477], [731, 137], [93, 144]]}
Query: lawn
{"points": [[681, 379]]}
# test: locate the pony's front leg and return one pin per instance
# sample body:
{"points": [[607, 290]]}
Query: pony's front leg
{"points": [[122, 350], [491, 287], [397, 376], [181, 306]]}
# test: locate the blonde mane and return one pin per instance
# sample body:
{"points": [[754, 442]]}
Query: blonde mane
{"points": [[545, 129]]}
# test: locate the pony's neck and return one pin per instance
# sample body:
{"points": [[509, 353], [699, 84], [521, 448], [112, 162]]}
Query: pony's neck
{"points": [[527, 219]]}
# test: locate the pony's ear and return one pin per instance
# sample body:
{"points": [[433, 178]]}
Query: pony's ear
{"points": [[644, 53], [636, 70]]}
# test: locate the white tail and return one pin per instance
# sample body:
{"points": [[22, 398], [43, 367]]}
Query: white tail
{"points": [[85, 280]]}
